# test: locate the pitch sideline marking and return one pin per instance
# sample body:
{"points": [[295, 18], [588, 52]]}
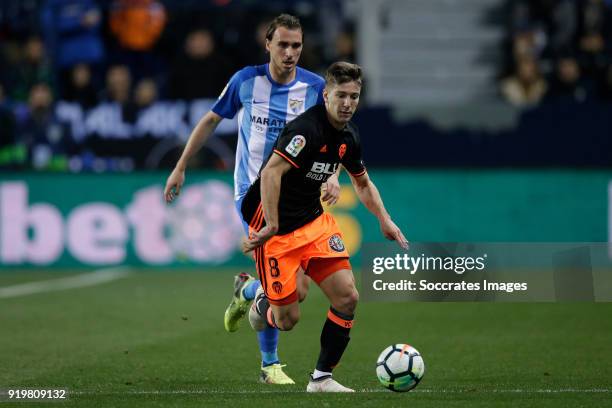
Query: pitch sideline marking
{"points": [[377, 390], [96, 277]]}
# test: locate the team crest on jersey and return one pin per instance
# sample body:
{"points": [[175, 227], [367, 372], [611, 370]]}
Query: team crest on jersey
{"points": [[335, 243], [296, 105], [296, 145], [277, 287], [342, 150]]}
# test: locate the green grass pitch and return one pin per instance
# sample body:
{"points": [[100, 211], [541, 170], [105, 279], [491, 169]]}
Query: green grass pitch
{"points": [[156, 339]]}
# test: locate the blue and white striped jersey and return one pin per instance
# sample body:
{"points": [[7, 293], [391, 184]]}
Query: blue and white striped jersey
{"points": [[264, 107]]}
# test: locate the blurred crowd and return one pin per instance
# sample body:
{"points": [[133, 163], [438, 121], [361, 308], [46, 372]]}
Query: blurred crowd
{"points": [[131, 54], [558, 51], [81, 80]]}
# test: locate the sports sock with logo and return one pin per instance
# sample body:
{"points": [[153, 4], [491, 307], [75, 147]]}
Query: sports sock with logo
{"points": [[334, 339]]}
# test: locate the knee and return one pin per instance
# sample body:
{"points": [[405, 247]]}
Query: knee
{"points": [[287, 321], [348, 303], [302, 295]]}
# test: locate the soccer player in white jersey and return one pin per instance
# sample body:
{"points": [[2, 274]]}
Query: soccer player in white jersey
{"points": [[265, 97]]}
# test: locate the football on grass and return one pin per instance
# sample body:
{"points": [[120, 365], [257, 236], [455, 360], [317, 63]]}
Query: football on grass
{"points": [[400, 367]]}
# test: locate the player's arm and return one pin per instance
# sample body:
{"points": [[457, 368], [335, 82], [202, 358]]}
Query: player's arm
{"points": [[270, 192], [200, 134], [331, 188], [370, 197]]}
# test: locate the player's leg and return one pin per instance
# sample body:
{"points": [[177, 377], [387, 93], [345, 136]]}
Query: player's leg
{"points": [[240, 302], [278, 269], [268, 335], [338, 284], [283, 317], [262, 319], [268, 343], [303, 284], [266, 314], [279, 265], [245, 288]]}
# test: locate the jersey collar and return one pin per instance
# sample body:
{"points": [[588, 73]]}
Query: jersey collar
{"points": [[273, 82]]}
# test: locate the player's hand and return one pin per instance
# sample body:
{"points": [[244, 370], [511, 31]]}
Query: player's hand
{"points": [[393, 233], [175, 182], [331, 190], [257, 239]]}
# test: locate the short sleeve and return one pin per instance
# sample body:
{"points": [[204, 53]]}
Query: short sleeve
{"points": [[353, 160], [229, 102], [294, 146]]}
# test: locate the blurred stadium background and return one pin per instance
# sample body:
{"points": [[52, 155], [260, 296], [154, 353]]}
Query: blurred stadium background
{"points": [[482, 120]]}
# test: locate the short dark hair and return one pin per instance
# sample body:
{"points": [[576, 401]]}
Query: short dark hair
{"points": [[342, 72], [284, 20]]}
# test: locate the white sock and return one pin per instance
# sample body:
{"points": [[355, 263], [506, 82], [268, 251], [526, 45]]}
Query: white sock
{"points": [[318, 374]]}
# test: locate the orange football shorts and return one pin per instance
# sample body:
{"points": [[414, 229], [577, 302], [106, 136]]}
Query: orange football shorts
{"points": [[316, 247]]}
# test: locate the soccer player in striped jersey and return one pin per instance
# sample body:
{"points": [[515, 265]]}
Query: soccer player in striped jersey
{"points": [[266, 98]]}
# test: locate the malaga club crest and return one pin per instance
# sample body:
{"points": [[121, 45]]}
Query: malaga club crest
{"points": [[296, 105], [335, 243]]}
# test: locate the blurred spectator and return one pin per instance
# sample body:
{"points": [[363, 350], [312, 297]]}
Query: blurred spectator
{"points": [[79, 87], [563, 26], [523, 44], [552, 21], [549, 32], [199, 72], [7, 129], [32, 68], [595, 29], [46, 139], [146, 93], [567, 83], [526, 86], [8, 57], [528, 44], [250, 43], [118, 85], [137, 26], [72, 29], [345, 46]]}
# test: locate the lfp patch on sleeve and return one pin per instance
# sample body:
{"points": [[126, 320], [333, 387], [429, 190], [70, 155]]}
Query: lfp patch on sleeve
{"points": [[296, 145]]}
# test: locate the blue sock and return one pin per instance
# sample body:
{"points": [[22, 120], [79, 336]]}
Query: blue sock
{"points": [[268, 338], [249, 290], [268, 341]]}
